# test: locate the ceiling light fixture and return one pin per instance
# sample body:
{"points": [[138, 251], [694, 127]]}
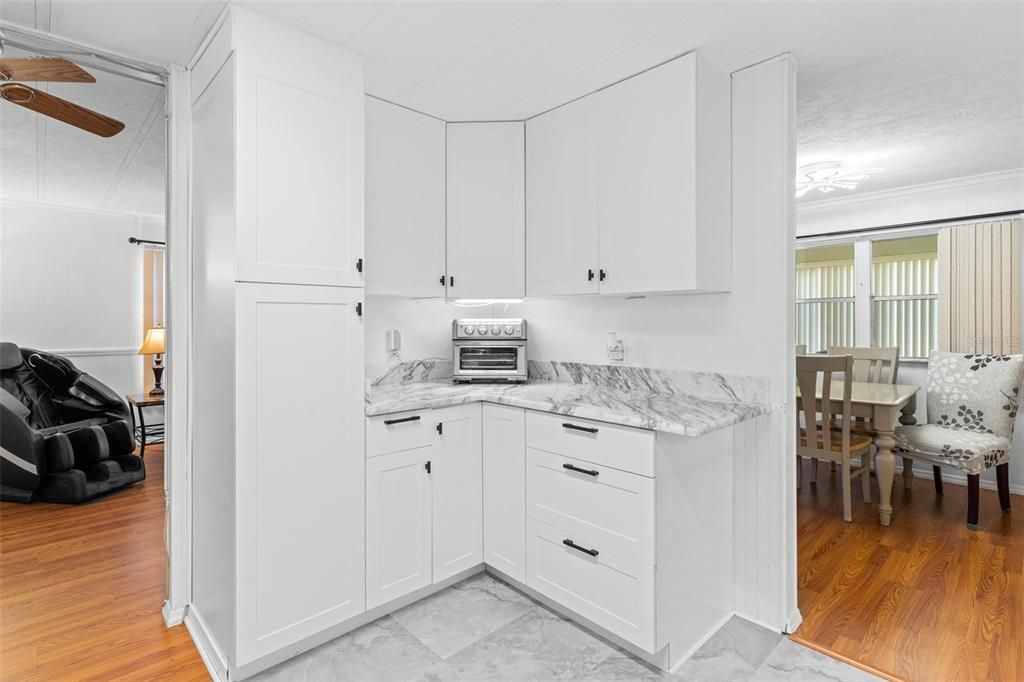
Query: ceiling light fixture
{"points": [[828, 176]]}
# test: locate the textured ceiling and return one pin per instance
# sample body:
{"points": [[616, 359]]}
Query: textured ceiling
{"points": [[928, 91]]}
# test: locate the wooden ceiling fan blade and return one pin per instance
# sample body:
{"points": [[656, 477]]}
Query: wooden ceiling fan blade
{"points": [[62, 110], [49, 69]]}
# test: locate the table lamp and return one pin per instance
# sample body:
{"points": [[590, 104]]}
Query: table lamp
{"points": [[155, 344]]}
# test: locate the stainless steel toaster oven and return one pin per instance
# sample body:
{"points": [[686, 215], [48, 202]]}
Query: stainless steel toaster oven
{"points": [[489, 350]]}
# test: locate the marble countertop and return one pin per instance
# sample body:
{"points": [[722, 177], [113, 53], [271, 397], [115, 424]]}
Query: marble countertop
{"points": [[672, 412]]}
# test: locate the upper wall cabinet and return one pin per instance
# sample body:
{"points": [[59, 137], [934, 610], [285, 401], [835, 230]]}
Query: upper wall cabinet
{"points": [[486, 235], [404, 202], [298, 106], [640, 174], [562, 202]]}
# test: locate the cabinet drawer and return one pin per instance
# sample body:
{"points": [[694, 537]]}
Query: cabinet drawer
{"points": [[605, 587], [612, 507], [619, 447], [389, 433]]}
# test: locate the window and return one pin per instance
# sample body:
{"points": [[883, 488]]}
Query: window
{"points": [[825, 297], [905, 294]]}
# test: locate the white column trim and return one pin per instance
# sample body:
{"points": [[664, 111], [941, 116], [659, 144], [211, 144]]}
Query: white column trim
{"points": [[862, 292]]}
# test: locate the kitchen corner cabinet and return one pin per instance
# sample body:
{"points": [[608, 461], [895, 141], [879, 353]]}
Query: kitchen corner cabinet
{"points": [[486, 221], [504, 477], [424, 513], [405, 195], [640, 174]]}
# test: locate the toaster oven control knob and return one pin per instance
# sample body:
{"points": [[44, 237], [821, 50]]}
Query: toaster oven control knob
{"points": [[495, 329], [468, 330], [482, 329], [509, 330]]}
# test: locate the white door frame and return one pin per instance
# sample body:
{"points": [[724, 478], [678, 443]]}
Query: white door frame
{"points": [[177, 455]]}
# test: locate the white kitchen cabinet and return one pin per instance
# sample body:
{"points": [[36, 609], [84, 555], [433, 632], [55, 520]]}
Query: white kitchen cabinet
{"points": [[664, 180], [405, 195], [504, 489], [299, 155], [299, 525], [398, 524], [633, 183], [458, 498], [279, 538], [562, 202], [485, 210]]}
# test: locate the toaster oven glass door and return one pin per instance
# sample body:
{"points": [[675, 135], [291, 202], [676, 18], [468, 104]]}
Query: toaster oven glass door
{"points": [[499, 359]]}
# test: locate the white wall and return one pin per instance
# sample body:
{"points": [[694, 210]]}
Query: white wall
{"points": [[72, 282], [976, 195]]}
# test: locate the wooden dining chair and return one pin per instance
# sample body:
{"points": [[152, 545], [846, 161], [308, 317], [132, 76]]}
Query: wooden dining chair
{"points": [[820, 438]]}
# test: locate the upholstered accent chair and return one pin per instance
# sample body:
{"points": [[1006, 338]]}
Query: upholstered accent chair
{"points": [[972, 404]]}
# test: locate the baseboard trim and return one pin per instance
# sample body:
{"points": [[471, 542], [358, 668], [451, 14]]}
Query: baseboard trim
{"points": [[172, 617], [794, 621], [212, 657], [885, 675]]}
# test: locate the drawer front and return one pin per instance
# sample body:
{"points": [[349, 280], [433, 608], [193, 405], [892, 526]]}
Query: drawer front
{"points": [[612, 507], [619, 447], [611, 590], [389, 433]]}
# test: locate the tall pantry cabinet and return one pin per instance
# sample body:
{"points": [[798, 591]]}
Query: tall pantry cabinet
{"points": [[277, 376]]}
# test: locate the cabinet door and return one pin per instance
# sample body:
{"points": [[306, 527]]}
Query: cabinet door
{"points": [[504, 476], [647, 180], [486, 239], [299, 155], [458, 504], [561, 202], [398, 533], [298, 493], [404, 202]]}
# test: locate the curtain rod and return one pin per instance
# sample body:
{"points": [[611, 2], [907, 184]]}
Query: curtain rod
{"points": [[136, 240], [920, 223]]}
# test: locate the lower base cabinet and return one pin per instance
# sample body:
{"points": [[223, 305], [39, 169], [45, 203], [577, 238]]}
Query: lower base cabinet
{"points": [[424, 503], [504, 458]]}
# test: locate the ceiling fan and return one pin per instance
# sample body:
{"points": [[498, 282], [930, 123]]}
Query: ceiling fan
{"points": [[53, 70]]}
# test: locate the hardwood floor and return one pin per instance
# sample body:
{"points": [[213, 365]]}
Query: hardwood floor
{"points": [[922, 600], [81, 588]]}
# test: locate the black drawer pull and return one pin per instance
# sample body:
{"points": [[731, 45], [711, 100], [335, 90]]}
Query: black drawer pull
{"points": [[588, 472], [569, 543], [389, 422], [588, 429]]}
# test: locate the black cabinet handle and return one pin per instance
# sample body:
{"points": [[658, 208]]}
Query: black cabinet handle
{"points": [[427, 466], [442, 280], [588, 472], [451, 280], [588, 429], [440, 428], [590, 275], [603, 274], [403, 420], [569, 543], [359, 265], [359, 309]]}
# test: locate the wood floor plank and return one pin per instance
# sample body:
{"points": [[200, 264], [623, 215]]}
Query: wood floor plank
{"points": [[81, 588], [924, 599]]}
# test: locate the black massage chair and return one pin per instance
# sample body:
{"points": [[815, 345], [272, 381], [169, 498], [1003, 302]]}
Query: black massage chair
{"points": [[64, 437]]}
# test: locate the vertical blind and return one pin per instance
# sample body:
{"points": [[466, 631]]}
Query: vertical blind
{"points": [[824, 305], [904, 303], [980, 299]]}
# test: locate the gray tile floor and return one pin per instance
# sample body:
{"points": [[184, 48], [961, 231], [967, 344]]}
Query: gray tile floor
{"points": [[482, 629]]}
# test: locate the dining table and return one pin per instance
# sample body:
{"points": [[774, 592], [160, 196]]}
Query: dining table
{"points": [[886, 405]]}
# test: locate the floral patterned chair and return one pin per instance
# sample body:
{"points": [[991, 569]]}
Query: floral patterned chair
{"points": [[972, 404]]}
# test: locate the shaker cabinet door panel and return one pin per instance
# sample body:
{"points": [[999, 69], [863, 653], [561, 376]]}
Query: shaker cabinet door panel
{"points": [[561, 202], [486, 229], [404, 202], [299, 496], [504, 476], [458, 503], [398, 528]]}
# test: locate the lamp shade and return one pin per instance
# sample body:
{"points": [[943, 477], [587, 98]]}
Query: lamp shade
{"points": [[154, 342]]}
